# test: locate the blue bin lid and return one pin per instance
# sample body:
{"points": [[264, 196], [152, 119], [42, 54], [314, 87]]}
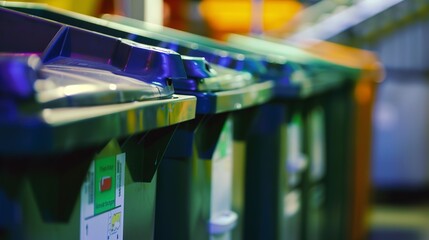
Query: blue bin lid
{"points": [[215, 53], [217, 88], [295, 76], [65, 66]]}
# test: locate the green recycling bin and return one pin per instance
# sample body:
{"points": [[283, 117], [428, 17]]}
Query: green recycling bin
{"points": [[267, 120], [194, 182], [85, 121], [304, 118], [328, 135], [300, 126]]}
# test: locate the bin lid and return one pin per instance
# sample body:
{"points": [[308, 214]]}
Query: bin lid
{"points": [[262, 65], [205, 77], [218, 89], [67, 66], [64, 88], [297, 72], [311, 55], [212, 53], [366, 61], [317, 59], [295, 76]]}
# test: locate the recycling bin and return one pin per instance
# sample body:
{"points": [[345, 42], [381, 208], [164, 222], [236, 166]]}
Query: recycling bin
{"points": [[194, 188], [297, 199], [363, 96], [296, 120], [312, 102], [263, 123], [85, 121], [228, 91], [338, 115]]}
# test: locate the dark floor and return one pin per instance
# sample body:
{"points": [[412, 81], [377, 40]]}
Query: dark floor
{"points": [[393, 222]]}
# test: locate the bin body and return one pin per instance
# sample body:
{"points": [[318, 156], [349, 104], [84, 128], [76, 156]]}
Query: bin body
{"points": [[197, 194], [328, 111], [270, 143], [128, 210], [77, 147], [279, 161], [198, 166], [300, 176]]}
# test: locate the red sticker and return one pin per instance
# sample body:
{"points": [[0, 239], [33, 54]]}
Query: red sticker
{"points": [[105, 183]]}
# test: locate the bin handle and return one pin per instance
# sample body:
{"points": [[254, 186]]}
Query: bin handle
{"points": [[223, 222]]}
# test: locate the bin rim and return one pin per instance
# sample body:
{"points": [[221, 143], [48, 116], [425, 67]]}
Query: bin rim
{"points": [[51, 131]]}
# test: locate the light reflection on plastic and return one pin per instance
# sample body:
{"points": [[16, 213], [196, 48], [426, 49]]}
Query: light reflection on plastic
{"points": [[112, 87], [76, 89], [33, 61], [291, 204]]}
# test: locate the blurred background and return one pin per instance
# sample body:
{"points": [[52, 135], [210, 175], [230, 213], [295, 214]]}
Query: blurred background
{"points": [[396, 30]]}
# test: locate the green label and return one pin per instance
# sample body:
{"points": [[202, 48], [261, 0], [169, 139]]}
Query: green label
{"points": [[105, 184], [225, 140]]}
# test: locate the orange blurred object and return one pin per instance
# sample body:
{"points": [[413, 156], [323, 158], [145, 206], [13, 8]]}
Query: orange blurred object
{"points": [[236, 15], [88, 7], [364, 95], [351, 57]]}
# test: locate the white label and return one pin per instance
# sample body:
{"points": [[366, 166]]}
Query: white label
{"points": [[296, 160], [221, 197], [102, 200], [291, 204]]}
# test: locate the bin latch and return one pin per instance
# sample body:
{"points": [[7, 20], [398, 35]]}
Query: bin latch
{"points": [[223, 222]]}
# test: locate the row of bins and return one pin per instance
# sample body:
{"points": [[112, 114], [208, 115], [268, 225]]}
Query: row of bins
{"points": [[116, 129]]}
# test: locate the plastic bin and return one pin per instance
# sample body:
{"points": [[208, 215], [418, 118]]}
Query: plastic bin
{"points": [[309, 87], [194, 183], [345, 113], [309, 76], [300, 112], [85, 121], [198, 226]]}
